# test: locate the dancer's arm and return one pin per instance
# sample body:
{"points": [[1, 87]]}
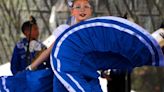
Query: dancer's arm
{"points": [[42, 57]]}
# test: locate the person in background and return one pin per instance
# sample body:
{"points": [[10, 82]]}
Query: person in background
{"points": [[78, 14], [27, 49], [159, 35], [117, 80]]}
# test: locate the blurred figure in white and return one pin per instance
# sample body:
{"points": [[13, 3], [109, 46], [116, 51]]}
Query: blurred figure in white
{"points": [[159, 35], [59, 14]]}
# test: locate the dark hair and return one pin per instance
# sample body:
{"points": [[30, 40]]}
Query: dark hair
{"points": [[29, 23]]}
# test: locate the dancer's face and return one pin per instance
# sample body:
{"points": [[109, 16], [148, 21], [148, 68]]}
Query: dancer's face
{"points": [[81, 10], [34, 32]]}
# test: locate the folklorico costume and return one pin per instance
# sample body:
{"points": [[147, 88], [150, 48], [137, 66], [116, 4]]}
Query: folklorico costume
{"points": [[19, 58], [99, 44]]}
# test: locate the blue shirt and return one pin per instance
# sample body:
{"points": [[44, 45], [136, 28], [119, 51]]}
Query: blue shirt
{"points": [[19, 58]]}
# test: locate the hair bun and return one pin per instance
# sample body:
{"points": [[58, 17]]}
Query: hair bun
{"points": [[32, 20]]}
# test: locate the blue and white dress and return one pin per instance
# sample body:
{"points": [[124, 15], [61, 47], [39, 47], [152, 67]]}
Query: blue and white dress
{"points": [[101, 43]]}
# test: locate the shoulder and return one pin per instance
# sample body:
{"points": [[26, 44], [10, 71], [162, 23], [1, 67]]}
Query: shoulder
{"points": [[59, 30], [63, 27], [21, 44]]}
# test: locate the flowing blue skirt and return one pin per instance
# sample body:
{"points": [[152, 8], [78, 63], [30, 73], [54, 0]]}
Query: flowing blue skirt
{"points": [[101, 43], [28, 81]]}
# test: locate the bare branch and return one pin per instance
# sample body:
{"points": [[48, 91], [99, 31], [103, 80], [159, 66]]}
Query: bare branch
{"points": [[130, 12], [44, 20], [150, 14], [107, 6], [48, 7], [161, 13], [27, 5], [117, 8]]}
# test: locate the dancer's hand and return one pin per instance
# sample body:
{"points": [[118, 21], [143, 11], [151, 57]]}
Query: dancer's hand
{"points": [[29, 68]]}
